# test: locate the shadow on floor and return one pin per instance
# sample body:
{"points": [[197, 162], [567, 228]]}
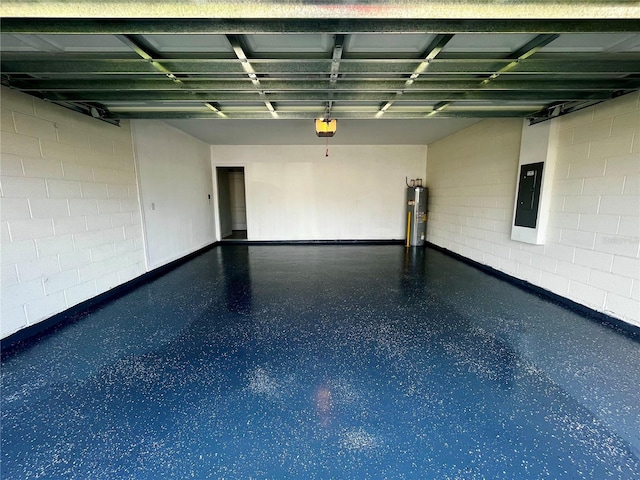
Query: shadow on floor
{"points": [[237, 235]]}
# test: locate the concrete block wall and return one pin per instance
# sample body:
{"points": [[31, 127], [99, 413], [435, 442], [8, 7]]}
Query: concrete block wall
{"points": [[591, 254], [69, 209]]}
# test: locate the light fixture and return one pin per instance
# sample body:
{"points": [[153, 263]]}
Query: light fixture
{"points": [[326, 127]]}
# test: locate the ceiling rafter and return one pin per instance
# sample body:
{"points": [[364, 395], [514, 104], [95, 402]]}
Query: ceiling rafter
{"points": [[239, 50], [239, 26], [346, 68], [524, 52], [522, 112], [429, 54], [140, 47], [144, 50], [322, 96], [197, 85], [336, 56], [574, 65], [215, 109], [338, 47]]}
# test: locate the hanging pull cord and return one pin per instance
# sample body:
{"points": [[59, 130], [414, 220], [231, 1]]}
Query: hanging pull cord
{"points": [[326, 152]]}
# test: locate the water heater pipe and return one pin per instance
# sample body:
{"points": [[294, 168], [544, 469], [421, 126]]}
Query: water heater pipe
{"points": [[408, 228]]}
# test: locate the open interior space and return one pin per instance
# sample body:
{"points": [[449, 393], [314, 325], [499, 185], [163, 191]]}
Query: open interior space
{"points": [[324, 362], [269, 239]]}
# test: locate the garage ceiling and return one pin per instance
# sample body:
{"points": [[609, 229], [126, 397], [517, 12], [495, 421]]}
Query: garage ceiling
{"points": [[230, 67]]}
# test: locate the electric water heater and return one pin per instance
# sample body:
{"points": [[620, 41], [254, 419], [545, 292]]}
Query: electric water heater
{"points": [[416, 216]]}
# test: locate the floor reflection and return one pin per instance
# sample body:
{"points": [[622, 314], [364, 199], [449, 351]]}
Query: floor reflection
{"points": [[324, 405], [236, 272], [324, 362]]}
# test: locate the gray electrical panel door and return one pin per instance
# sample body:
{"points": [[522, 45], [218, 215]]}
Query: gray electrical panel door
{"points": [[416, 215], [529, 195]]}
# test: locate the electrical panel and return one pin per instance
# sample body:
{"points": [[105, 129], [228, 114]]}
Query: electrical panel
{"points": [[529, 187]]}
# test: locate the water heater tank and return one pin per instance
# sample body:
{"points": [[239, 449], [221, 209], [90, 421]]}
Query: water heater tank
{"points": [[416, 216]]}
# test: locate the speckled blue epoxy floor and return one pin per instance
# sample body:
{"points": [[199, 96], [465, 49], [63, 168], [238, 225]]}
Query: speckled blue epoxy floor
{"points": [[319, 362]]}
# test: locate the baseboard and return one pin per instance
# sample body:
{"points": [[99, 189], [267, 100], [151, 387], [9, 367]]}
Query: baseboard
{"points": [[169, 260], [620, 326], [22, 338], [311, 242]]}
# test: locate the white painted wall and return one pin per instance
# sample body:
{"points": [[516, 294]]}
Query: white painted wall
{"points": [[69, 210], [296, 193], [592, 250], [175, 184]]}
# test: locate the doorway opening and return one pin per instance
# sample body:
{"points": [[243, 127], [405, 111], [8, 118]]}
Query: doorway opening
{"points": [[232, 205]]}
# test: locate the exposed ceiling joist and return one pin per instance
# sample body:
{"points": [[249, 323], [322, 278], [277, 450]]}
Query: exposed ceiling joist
{"points": [[314, 67], [205, 114], [239, 50], [432, 51], [336, 57], [570, 65], [533, 46], [239, 26], [139, 46], [204, 85], [522, 53], [320, 96], [338, 47], [215, 109]]}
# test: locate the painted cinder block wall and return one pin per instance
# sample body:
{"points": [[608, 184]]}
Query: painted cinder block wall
{"points": [[591, 254], [69, 209]]}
